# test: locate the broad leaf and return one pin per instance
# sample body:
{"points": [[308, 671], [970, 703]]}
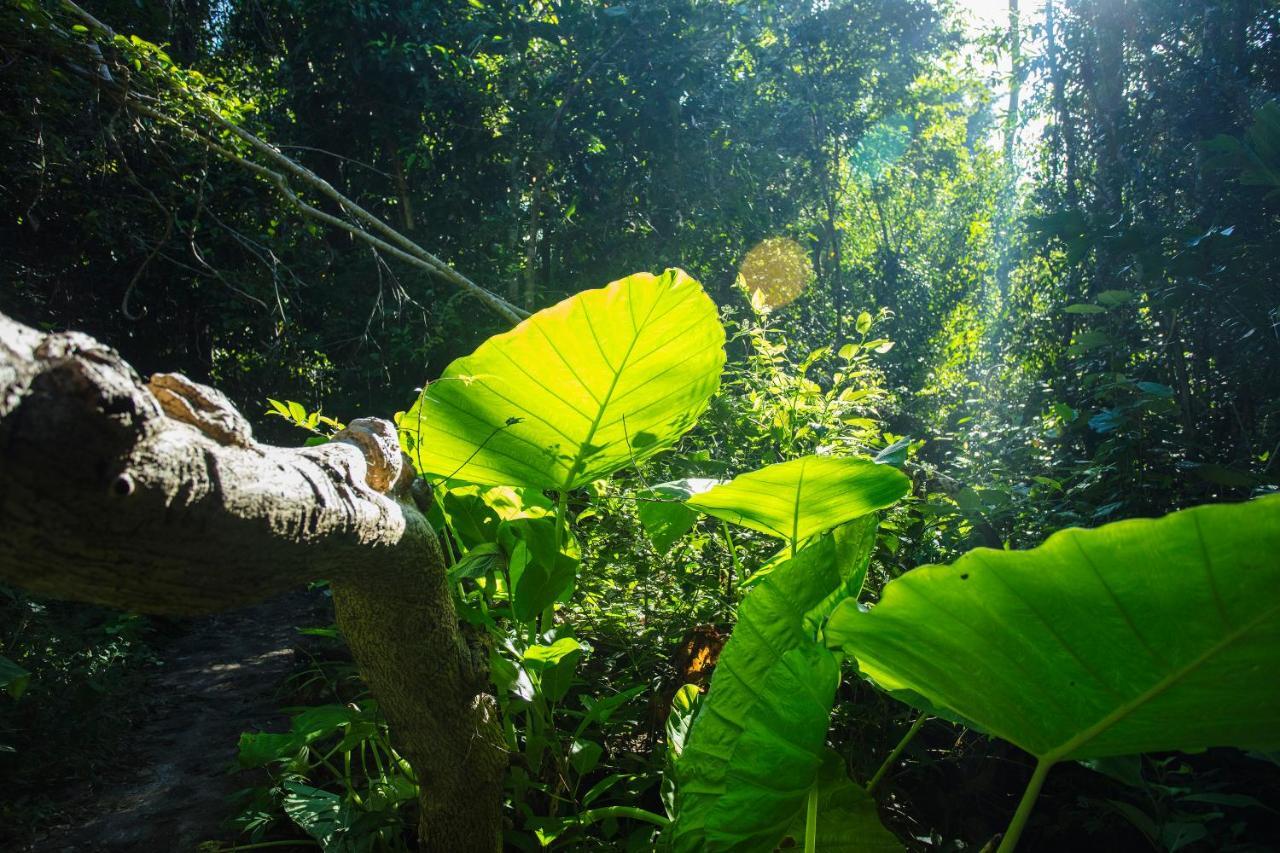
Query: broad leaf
{"points": [[854, 544], [797, 499], [1139, 636], [755, 747], [662, 511], [554, 666], [257, 749], [540, 575], [472, 520], [484, 559], [13, 678], [577, 391], [332, 821], [747, 770], [848, 821], [684, 708]]}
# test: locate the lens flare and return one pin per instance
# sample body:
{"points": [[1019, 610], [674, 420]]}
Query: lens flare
{"points": [[775, 272]]}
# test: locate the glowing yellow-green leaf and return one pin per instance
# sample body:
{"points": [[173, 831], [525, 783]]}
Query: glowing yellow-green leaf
{"points": [[577, 391]]}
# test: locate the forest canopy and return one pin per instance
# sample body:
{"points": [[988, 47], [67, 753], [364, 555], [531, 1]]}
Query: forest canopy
{"points": [[672, 424]]}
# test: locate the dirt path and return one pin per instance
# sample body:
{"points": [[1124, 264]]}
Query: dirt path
{"points": [[217, 680]]}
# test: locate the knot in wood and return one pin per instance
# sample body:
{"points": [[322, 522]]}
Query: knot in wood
{"points": [[122, 486], [377, 440], [204, 408]]}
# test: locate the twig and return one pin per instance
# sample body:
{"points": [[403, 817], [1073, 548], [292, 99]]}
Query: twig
{"points": [[391, 241]]}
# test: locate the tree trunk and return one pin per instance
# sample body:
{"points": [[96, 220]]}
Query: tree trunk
{"points": [[155, 497], [1009, 187]]}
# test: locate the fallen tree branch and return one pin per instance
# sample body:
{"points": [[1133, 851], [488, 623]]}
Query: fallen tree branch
{"points": [[155, 497]]}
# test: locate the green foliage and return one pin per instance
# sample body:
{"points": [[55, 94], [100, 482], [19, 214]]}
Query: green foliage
{"points": [[603, 380], [13, 678], [752, 755], [1257, 157], [297, 414], [1114, 358], [798, 499], [1093, 645], [334, 775], [784, 400], [756, 745], [847, 819], [1125, 639], [663, 513], [68, 699]]}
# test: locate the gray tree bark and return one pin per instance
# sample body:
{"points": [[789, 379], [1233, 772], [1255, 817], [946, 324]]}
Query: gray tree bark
{"points": [[154, 497]]}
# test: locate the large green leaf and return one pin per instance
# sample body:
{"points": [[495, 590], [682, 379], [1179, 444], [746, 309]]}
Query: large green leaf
{"points": [[754, 750], [797, 499], [848, 821], [540, 574], [578, 390], [1139, 636], [662, 511]]}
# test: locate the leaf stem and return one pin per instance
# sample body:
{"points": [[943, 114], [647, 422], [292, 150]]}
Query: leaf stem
{"points": [[1028, 801], [733, 553], [811, 821], [562, 510], [897, 750], [593, 815]]}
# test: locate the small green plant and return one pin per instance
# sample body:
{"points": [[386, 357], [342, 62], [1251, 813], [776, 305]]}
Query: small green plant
{"points": [[66, 697], [297, 414], [335, 775]]}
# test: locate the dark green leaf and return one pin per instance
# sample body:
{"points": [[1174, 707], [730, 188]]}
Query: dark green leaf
{"points": [[663, 514]]}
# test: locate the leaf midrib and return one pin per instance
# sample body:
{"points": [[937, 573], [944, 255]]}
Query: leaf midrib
{"points": [[795, 509], [579, 458], [1156, 690]]}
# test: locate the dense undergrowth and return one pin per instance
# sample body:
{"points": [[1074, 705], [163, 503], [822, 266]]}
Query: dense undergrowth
{"points": [[68, 672], [1049, 313]]}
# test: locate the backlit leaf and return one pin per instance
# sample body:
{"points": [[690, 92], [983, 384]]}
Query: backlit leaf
{"points": [[756, 744], [605, 378], [797, 499]]}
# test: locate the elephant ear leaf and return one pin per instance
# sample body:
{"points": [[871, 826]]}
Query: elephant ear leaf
{"points": [[848, 821], [755, 748], [1139, 636], [806, 496], [576, 392], [662, 511]]}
